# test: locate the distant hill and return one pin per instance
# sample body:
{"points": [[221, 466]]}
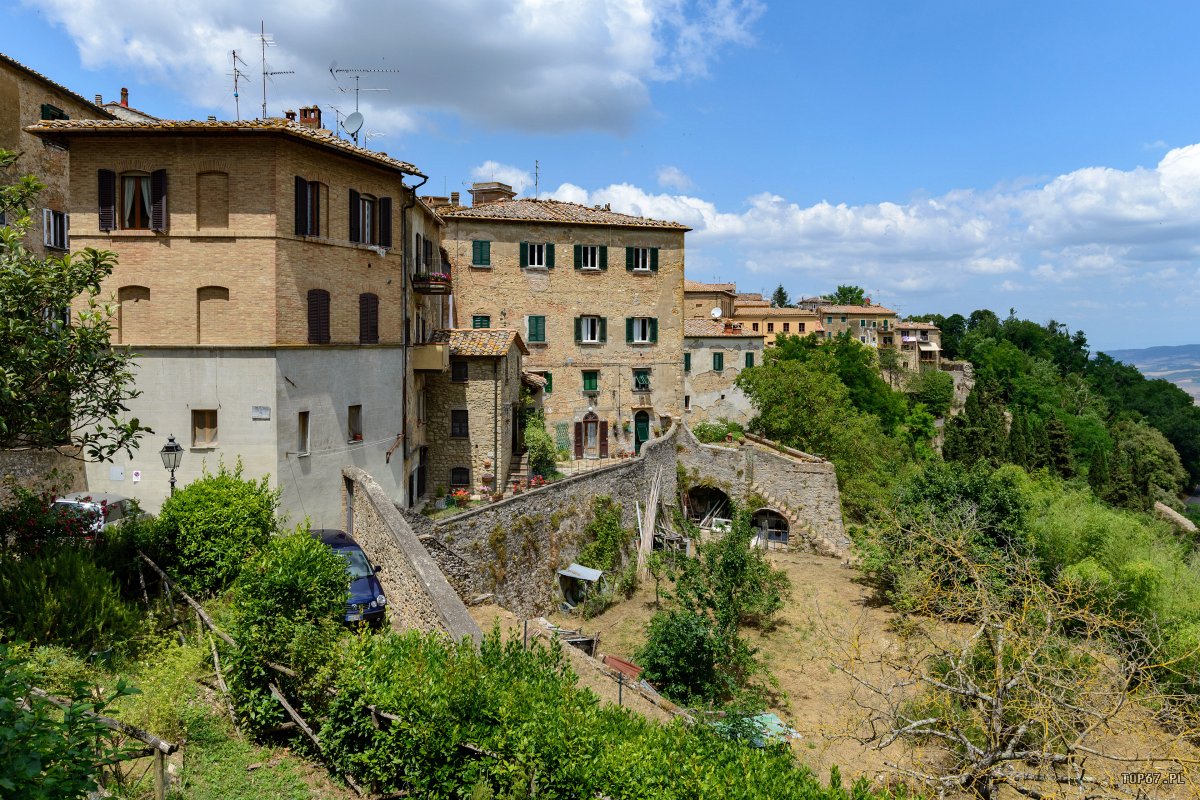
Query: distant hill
{"points": [[1179, 364]]}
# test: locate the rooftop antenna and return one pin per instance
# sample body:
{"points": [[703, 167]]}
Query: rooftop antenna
{"points": [[237, 75], [334, 70], [267, 40], [536, 168], [338, 117]]}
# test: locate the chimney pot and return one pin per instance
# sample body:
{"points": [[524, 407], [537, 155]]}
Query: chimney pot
{"points": [[212, 118], [291, 115], [454, 196], [99, 99], [124, 97]]}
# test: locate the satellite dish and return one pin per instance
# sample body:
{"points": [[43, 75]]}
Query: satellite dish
{"points": [[715, 313], [353, 123]]}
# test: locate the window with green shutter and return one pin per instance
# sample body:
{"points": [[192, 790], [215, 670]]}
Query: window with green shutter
{"points": [[481, 321], [591, 330], [536, 329], [749, 359], [481, 253], [718, 362], [549, 382], [641, 380], [687, 362], [591, 380], [641, 330], [591, 257]]}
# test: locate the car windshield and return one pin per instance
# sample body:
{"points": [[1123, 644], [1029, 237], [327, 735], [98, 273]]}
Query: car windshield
{"points": [[89, 514], [357, 565]]}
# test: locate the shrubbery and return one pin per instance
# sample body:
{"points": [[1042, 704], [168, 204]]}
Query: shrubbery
{"points": [[214, 524], [713, 432], [539, 445]]}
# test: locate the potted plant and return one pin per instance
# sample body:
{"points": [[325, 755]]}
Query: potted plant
{"points": [[461, 497], [537, 480], [497, 497], [627, 426], [516, 485]]}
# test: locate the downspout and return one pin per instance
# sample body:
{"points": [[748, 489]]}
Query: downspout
{"points": [[496, 421], [410, 200]]}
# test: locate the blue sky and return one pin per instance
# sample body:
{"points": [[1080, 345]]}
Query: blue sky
{"points": [[947, 156]]}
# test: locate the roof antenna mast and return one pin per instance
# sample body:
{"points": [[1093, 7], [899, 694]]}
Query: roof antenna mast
{"points": [[237, 75], [536, 169], [267, 40]]}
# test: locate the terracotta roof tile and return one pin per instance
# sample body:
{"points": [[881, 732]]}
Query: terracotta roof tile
{"points": [[530, 210], [283, 126], [751, 304], [697, 286], [715, 327], [55, 84], [860, 310], [479, 342], [750, 296], [775, 312]]}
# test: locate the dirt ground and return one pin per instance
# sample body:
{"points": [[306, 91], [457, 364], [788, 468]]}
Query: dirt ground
{"points": [[833, 618]]}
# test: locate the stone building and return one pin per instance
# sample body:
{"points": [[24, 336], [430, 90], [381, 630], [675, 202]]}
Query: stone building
{"points": [[919, 345], [122, 110], [872, 325], [266, 279], [26, 98], [714, 354], [770, 322], [598, 299], [473, 412], [702, 299]]}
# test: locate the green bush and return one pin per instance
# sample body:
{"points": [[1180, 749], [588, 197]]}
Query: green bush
{"points": [[680, 657], [214, 524], [30, 525], [607, 539], [713, 432], [64, 599], [539, 445], [166, 674], [935, 389]]}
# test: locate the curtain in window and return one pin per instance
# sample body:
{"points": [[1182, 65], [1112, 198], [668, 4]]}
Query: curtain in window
{"points": [[136, 187]]}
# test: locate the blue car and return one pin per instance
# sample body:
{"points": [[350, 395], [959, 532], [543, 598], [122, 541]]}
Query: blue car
{"points": [[367, 603]]}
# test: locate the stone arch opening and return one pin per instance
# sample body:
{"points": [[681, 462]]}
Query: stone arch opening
{"points": [[771, 527], [706, 503]]}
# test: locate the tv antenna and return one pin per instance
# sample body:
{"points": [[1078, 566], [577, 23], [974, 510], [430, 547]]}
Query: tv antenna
{"points": [[536, 169], [334, 70], [267, 40], [237, 75]]}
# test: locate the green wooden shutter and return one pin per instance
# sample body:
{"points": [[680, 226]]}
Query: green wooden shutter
{"points": [[629, 329], [603, 256], [749, 359], [578, 256], [654, 329], [549, 382], [524, 254], [578, 330], [604, 329], [718, 362], [476, 252], [629, 259], [687, 362], [549, 255], [654, 259]]}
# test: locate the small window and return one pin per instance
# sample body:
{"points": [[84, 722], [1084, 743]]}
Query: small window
{"points": [[754, 327], [770, 327], [642, 330], [135, 202], [459, 427], [843, 318], [204, 428], [537, 255], [458, 371], [536, 329], [460, 478], [53, 112], [687, 362], [481, 321], [787, 326], [591, 380], [800, 327], [481, 253], [54, 229], [641, 380], [590, 330], [354, 429], [549, 382], [367, 219], [718, 362], [302, 433], [687, 402], [749, 359], [862, 323], [589, 256], [829, 320], [641, 259]]}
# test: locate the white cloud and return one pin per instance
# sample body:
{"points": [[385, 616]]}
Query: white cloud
{"points": [[519, 179], [674, 178], [544, 65]]}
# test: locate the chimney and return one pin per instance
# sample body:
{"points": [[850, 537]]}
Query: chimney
{"points": [[491, 192], [212, 118], [99, 99], [291, 115], [310, 116], [454, 196], [124, 97], [729, 326]]}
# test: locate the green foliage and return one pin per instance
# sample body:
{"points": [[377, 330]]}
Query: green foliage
{"points": [[45, 753], [779, 298], [934, 389], [214, 524], [536, 727], [681, 658], [539, 445], [847, 296], [166, 673], [60, 382], [977, 434], [607, 539], [63, 598], [30, 524], [715, 432]]}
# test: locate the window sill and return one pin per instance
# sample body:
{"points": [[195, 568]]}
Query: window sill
{"points": [[532, 268], [589, 344], [640, 271], [204, 447], [641, 344], [132, 233], [538, 344], [480, 266]]}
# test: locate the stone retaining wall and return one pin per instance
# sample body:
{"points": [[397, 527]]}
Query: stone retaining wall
{"points": [[418, 594], [32, 468]]}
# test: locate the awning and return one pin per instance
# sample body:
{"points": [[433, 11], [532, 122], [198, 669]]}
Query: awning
{"points": [[533, 380], [581, 572], [928, 347]]}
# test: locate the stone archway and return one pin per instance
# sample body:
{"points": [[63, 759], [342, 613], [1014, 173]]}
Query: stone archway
{"points": [[705, 502], [770, 526]]}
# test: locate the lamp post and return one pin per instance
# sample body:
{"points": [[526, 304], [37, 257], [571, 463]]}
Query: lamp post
{"points": [[172, 453]]}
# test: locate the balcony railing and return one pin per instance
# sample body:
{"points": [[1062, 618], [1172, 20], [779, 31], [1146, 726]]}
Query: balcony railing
{"points": [[431, 283]]}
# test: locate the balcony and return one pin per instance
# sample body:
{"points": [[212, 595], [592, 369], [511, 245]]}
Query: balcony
{"points": [[430, 357], [431, 283]]}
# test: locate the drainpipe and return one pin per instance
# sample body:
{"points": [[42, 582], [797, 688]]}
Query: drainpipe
{"points": [[496, 420], [410, 200]]}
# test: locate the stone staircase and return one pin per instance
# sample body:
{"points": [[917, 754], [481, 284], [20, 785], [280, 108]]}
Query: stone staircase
{"points": [[518, 470], [796, 528]]}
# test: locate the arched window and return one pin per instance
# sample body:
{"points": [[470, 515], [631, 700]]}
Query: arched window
{"points": [[368, 319], [212, 306], [133, 313], [318, 316], [460, 478]]}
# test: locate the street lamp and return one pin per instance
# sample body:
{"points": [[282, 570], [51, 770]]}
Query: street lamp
{"points": [[172, 453]]}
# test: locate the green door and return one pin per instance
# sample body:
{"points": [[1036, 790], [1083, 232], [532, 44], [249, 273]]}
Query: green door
{"points": [[641, 430]]}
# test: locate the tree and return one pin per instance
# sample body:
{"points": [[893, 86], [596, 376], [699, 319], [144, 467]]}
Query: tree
{"points": [[935, 389], [62, 382], [847, 296], [779, 298]]}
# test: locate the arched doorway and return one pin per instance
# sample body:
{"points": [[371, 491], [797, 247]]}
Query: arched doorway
{"points": [[771, 527], [591, 437], [641, 430], [705, 503]]}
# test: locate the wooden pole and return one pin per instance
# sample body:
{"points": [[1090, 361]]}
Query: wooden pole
{"points": [[278, 695], [142, 581], [223, 686], [160, 775]]}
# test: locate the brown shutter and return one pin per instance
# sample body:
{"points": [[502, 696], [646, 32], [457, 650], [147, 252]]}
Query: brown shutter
{"points": [[604, 438], [385, 221], [579, 440], [355, 217], [158, 200], [301, 206], [428, 255], [368, 319], [107, 192], [318, 316]]}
